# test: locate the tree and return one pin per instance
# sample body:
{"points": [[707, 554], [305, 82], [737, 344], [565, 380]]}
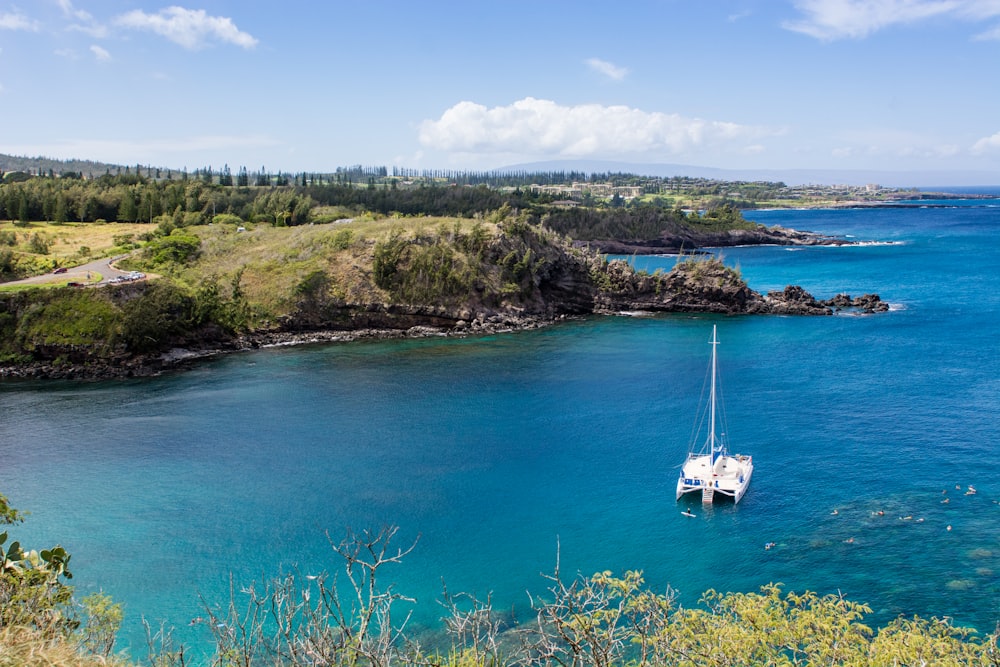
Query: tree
{"points": [[32, 591], [22, 208], [128, 209], [601, 620], [322, 621], [59, 215]]}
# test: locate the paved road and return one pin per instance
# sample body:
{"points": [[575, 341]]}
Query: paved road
{"points": [[84, 273]]}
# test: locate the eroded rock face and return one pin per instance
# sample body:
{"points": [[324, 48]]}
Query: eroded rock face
{"points": [[866, 303], [794, 300], [707, 285], [870, 303], [697, 285], [587, 284]]}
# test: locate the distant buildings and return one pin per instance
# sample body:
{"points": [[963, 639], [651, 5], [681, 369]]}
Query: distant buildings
{"points": [[577, 190]]}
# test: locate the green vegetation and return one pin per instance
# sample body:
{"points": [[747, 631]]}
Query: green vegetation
{"points": [[212, 198], [41, 623], [84, 326], [37, 248], [213, 282], [357, 249], [356, 620], [259, 252]]}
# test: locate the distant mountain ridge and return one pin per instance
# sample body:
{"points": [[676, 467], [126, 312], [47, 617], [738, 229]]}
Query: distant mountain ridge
{"points": [[897, 179], [33, 165], [925, 179]]}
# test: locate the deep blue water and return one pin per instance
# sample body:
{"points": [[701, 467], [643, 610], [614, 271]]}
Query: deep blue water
{"points": [[967, 189], [499, 451]]}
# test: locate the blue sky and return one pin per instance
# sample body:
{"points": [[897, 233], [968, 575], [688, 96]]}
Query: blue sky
{"points": [[891, 85]]}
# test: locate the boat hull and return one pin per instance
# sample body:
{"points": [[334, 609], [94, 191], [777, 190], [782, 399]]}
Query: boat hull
{"points": [[722, 475]]}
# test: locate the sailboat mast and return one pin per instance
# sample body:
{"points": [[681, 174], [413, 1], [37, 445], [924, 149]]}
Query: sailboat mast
{"points": [[711, 431]]}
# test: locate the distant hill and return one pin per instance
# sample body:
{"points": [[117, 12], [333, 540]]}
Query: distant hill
{"points": [[927, 179], [33, 165], [896, 179]]}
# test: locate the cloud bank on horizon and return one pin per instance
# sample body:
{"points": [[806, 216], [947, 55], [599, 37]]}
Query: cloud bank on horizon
{"points": [[796, 84], [584, 130]]}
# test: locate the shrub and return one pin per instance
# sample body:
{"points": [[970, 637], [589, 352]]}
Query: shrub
{"points": [[32, 593], [388, 254], [38, 244], [6, 261], [179, 247], [227, 219], [342, 239], [162, 312], [66, 317]]}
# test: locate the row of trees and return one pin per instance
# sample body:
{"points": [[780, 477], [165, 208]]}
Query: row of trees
{"points": [[138, 199], [21, 167], [131, 198]]}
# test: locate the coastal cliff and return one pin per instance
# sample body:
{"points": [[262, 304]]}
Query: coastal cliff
{"points": [[235, 290]]}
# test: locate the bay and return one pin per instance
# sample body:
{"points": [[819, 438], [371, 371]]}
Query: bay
{"points": [[498, 454]]}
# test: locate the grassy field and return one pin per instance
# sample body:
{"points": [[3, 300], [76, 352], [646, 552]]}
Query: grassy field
{"points": [[68, 244], [270, 261], [51, 282]]}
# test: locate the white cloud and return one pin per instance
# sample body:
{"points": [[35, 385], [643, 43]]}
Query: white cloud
{"points": [[101, 54], [542, 127], [74, 13], [85, 21], [17, 21], [988, 35], [980, 9], [987, 145], [609, 70], [837, 19], [191, 28]]}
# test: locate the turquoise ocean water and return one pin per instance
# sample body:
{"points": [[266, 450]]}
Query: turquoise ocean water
{"points": [[498, 452]]}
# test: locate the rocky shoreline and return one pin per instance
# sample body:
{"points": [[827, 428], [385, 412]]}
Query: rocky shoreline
{"points": [[526, 280], [792, 300], [179, 358], [690, 241]]}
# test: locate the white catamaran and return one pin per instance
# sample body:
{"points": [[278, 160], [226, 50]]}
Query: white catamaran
{"points": [[713, 469]]}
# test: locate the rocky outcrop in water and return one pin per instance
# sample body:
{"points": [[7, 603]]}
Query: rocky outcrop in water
{"points": [[708, 286]]}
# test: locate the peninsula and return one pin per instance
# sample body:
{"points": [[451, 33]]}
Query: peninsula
{"points": [[218, 267]]}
